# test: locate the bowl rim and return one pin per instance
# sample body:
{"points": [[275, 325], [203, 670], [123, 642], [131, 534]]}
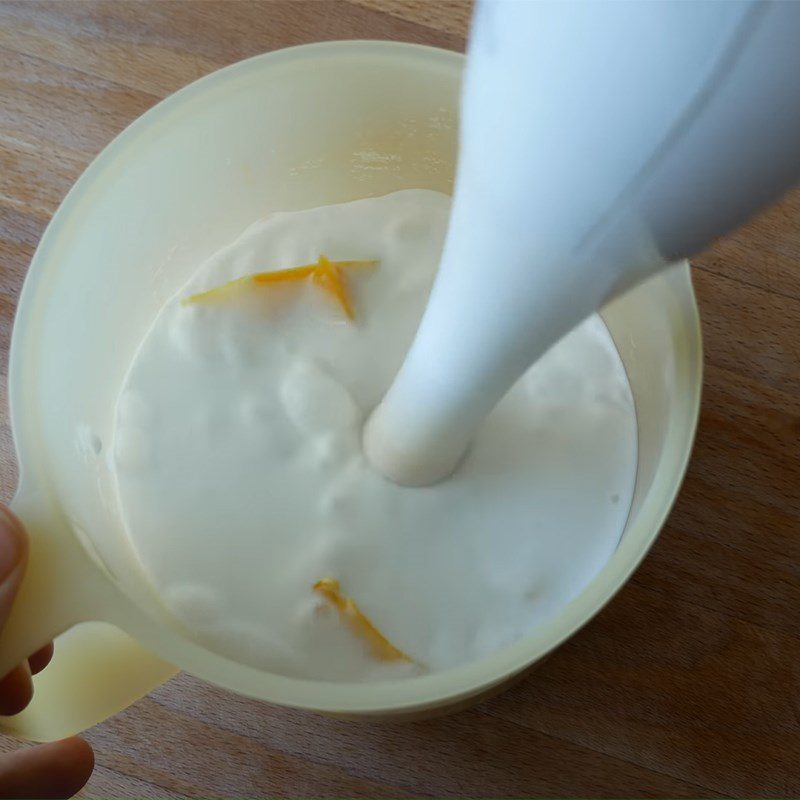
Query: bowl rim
{"points": [[408, 694]]}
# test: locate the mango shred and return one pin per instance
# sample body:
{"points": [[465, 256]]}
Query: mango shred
{"points": [[326, 274], [358, 623]]}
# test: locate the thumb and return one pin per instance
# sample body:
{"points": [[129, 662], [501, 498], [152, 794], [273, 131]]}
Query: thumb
{"points": [[58, 769], [13, 557]]}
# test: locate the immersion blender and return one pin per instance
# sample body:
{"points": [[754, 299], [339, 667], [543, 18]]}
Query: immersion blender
{"points": [[600, 141]]}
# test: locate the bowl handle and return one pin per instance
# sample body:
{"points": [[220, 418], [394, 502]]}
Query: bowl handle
{"points": [[97, 669]]}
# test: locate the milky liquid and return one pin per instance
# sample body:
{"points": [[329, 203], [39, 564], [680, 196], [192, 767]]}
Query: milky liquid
{"points": [[242, 482]]}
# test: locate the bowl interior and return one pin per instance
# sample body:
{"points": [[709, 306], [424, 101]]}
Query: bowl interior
{"points": [[292, 129]]}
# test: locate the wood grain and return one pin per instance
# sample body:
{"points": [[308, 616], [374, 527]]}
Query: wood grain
{"points": [[688, 684]]}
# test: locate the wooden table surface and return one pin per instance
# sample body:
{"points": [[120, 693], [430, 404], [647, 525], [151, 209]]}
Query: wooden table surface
{"points": [[688, 684]]}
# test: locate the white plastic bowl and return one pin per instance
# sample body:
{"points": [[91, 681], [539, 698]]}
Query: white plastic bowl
{"points": [[290, 129]]}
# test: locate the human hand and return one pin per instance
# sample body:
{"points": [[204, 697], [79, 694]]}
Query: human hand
{"points": [[54, 770]]}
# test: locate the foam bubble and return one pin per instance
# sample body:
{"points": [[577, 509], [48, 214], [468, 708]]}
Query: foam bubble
{"points": [[314, 401], [333, 449], [88, 443]]}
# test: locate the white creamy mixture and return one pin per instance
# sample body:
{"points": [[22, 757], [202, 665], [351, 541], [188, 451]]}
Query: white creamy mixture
{"points": [[242, 482]]}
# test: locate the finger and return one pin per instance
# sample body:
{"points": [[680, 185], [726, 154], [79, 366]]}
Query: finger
{"points": [[13, 555], [41, 658], [16, 690], [55, 770]]}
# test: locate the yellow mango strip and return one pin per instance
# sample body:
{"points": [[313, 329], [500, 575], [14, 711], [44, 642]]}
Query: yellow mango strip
{"points": [[278, 276], [285, 275], [360, 625], [328, 276], [218, 293], [325, 273]]}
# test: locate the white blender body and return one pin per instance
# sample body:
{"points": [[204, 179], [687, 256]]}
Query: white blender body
{"points": [[600, 141]]}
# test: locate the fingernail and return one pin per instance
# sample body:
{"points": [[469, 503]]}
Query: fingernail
{"points": [[13, 544]]}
